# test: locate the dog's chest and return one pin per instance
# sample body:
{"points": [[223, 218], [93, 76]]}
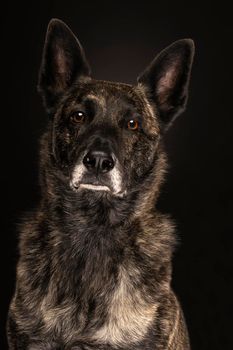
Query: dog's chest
{"points": [[127, 316]]}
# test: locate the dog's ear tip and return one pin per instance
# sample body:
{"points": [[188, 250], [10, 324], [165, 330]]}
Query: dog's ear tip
{"points": [[55, 22], [57, 25], [186, 43], [190, 41]]}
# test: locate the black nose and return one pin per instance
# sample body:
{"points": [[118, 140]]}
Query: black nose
{"points": [[98, 162]]}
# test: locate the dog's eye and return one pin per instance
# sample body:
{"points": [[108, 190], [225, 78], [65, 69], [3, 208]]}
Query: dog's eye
{"points": [[77, 117], [133, 124]]}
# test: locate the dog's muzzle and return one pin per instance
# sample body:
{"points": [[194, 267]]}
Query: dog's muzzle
{"points": [[98, 170]]}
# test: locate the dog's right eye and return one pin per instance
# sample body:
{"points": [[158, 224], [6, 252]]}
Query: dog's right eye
{"points": [[133, 124], [77, 117]]}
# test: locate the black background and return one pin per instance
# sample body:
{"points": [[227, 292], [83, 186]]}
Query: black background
{"points": [[120, 39]]}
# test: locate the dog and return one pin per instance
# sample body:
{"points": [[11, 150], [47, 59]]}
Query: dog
{"points": [[94, 267]]}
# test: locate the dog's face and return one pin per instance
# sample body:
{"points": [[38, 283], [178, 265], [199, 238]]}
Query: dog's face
{"points": [[106, 135]]}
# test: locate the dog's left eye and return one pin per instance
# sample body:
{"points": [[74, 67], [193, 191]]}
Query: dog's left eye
{"points": [[133, 124], [77, 117]]}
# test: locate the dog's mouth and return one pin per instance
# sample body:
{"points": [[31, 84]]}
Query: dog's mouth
{"points": [[111, 182], [97, 185], [99, 188], [93, 187]]}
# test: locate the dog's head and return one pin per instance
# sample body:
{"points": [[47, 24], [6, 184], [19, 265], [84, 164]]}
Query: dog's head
{"points": [[105, 135]]}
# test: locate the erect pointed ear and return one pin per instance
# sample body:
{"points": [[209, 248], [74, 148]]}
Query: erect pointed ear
{"points": [[63, 62], [166, 79]]}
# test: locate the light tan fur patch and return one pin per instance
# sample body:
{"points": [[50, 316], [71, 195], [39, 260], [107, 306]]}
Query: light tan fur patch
{"points": [[129, 315]]}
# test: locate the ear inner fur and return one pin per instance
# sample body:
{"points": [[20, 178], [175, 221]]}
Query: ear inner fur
{"points": [[166, 79], [63, 62]]}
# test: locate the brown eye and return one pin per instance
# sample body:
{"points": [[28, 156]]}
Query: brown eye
{"points": [[132, 124], [77, 117]]}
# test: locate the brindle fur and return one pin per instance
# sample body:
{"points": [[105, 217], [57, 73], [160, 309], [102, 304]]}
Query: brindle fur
{"points": [[94, 270]]}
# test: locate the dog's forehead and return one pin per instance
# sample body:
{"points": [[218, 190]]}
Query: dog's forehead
{"points": [[110, 94]]}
